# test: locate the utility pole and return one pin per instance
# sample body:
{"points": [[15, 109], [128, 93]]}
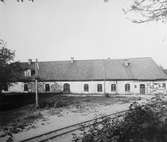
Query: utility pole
{"points": [[36, 83], [104, 78]]}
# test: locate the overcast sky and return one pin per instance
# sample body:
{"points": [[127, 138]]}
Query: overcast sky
{"points": [[84, 29]]}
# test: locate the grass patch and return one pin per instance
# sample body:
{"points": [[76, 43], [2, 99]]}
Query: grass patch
{"points": [[21, 123], [63, 101], [24, 116], [57, 102]]}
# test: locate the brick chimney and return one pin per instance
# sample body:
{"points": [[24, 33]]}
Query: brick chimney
{"points": [[72, 59], [126, 63], [29, 61]]}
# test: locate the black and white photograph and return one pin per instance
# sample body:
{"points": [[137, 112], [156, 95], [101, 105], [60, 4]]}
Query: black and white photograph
{"points": [[83, 70]]}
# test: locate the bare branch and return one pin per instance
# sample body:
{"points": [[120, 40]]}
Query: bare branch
{"points": [[148, 10]]}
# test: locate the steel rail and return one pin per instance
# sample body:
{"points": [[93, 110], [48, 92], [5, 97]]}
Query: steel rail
{"points": [[68, 129]]}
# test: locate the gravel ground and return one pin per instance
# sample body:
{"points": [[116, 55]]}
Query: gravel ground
{"points": [[55, 118]]}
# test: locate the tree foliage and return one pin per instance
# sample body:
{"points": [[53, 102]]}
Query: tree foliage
{"points": [[148, 10], [142, 123], [9, 70]]}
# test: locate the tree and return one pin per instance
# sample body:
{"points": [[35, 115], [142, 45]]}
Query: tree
{"points": [[144, 10], [148, 10], [9, 70]]}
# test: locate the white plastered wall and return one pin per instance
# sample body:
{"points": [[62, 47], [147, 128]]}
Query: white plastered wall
{"points": [[151, 87], [16, 87]]}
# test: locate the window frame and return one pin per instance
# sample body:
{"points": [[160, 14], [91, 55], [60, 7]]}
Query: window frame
{"points": [[164, 85], [86, 87], [99, 88], [47, 87], [127, 87], [32, 72], [27, 73], [66, 88], [25, 87], [113, 87]]}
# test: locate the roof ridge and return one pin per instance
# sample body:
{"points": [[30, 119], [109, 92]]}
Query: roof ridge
{"points": [[96, 69], [102, 59]]}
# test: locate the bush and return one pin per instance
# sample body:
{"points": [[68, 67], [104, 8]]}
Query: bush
{"points": [[107, 95], [59, 102], [142, 123], [46, 104]]}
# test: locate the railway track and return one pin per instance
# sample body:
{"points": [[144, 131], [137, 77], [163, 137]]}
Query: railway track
{"points": [[62, 131]]}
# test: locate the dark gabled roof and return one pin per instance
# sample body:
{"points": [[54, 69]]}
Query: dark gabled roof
{"points": [[101, 69]]}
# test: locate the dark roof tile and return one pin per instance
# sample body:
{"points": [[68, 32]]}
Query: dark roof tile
{"points": [[100, 69]]}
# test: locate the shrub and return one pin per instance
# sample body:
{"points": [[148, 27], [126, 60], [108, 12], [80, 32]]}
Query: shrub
{"points": [[142, 123], [33, 116], [59, 102], [107, 95], [47, 104]]}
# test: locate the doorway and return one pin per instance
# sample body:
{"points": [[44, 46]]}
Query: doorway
{"points": [[142, 88], [66, 88]]}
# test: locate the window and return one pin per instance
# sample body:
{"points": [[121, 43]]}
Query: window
{"points": [[66, 88], [86, 87], [142, 88], [127, 87], [27, 73], [47, 87], [113, 87], [32, 72], [164, 85], [25, 87], [99, 88], [135, 86]]}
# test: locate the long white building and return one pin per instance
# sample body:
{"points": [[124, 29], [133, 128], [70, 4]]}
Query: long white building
{"points": [[94, 77]]}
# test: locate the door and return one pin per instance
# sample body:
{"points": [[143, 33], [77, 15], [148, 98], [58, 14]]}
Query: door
{"points": [[66, 88], [142, 88]]}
